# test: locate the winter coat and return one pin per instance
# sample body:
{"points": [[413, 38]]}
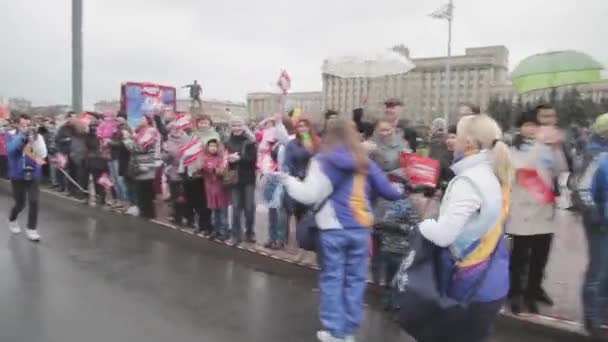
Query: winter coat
{"points": [[388, 157], [170, 155], [437, 146], [63, 138], [333, 175], [3, 137], [529, 217], [93, 157], [598, 149], [297, 158], [115, 142], [388, 152], [218, 196], [18, 160], [246, 166], [144, 159]]}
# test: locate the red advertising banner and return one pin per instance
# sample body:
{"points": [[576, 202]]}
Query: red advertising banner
{"points": [[420, 171], [530, 180]]}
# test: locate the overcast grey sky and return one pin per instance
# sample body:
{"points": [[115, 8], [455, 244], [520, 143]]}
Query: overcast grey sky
{"points": [[237, 46]]}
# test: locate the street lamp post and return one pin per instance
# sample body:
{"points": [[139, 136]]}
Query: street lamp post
{"points": [[448, 66], [77, 55], [447, 13]]}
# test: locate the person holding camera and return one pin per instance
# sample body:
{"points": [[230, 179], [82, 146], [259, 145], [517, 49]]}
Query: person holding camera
{"points": [[26, 153]]}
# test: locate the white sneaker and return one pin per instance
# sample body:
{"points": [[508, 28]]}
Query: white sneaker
{"points": [[133, 210], [32, 234], [325, 336], [14, 227]]}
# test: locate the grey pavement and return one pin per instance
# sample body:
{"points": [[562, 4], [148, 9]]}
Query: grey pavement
{"points": [[99, 276]]}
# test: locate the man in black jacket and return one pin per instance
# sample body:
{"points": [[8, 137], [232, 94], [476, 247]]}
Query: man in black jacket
{"points": [[242, 156]]}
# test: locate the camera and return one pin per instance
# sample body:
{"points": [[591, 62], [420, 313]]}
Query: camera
{"points": [[28, 171]]}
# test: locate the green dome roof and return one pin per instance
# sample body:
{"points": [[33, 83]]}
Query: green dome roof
{"points": [[553, 62]]}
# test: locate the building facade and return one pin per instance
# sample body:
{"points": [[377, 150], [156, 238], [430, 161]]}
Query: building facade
{"points": [[422, 90], [261, 104]]}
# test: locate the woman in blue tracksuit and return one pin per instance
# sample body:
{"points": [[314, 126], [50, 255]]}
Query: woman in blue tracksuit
{"points": [[343, 173]]}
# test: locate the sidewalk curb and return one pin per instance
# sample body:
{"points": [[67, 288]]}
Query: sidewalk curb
{"points": [[544, 324]]}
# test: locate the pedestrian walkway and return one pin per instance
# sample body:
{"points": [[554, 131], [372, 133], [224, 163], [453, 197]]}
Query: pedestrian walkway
{"points": [[100, 277], [563, 280]]}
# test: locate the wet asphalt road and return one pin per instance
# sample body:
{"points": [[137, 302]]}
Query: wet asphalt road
{"points": [[100, 277]]}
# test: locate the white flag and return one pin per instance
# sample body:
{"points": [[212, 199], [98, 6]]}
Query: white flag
{"points": [[444, 12]]}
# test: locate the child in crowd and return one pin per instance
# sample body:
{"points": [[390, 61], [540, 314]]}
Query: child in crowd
{"points": [[215, 164]]}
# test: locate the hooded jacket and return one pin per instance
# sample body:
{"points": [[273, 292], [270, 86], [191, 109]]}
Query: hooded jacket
{"points": [[332, 175]]}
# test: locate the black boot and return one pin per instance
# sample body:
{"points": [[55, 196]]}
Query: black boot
{"points": [[516, 303], [543, 297], [532, 305]]}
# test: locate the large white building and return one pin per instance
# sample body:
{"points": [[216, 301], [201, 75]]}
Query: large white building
{"points": [[262, 104], [422, 90]]}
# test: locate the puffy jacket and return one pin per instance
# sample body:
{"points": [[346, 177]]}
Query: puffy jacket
{"points": [[333, 175], [17, 160]]}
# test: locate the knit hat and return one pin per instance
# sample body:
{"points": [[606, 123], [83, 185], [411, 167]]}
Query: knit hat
{"points": [[438, 124], [600, 126]]}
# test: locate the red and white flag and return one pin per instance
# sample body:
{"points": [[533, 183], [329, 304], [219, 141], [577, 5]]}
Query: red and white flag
{"points": [[284, 82], [182, 120], [104, 180], [146, 137], [189, 152]]}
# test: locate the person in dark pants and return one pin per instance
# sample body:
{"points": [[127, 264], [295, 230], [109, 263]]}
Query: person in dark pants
{"points": [[532, 228], [26, 153], [196, 201], [242, 153], [144, 161], [3, 156]]}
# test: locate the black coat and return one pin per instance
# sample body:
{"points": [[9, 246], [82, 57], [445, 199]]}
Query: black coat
{"points": [[247, 149]]}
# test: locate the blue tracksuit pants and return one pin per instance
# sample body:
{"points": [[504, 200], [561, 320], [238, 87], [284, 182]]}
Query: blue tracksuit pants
{"points": [[343, 279]]}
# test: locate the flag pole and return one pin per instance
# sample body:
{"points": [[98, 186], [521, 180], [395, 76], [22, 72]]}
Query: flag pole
{"points": [[448, 66]]}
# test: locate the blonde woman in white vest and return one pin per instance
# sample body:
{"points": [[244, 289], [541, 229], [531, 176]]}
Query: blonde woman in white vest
{"points": [[474, 257], [535, 149]]}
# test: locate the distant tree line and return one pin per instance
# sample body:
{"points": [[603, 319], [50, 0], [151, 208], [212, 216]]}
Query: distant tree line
{"points": [[572, 109]]}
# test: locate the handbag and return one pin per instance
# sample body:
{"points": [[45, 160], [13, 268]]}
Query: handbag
{"points": [[426, 311], [307, 231]]}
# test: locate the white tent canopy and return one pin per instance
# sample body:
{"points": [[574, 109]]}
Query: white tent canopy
{"points": [[383, 63]]}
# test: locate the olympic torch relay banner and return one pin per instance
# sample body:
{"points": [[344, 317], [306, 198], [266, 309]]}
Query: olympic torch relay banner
{"points": [[138, 99]]}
